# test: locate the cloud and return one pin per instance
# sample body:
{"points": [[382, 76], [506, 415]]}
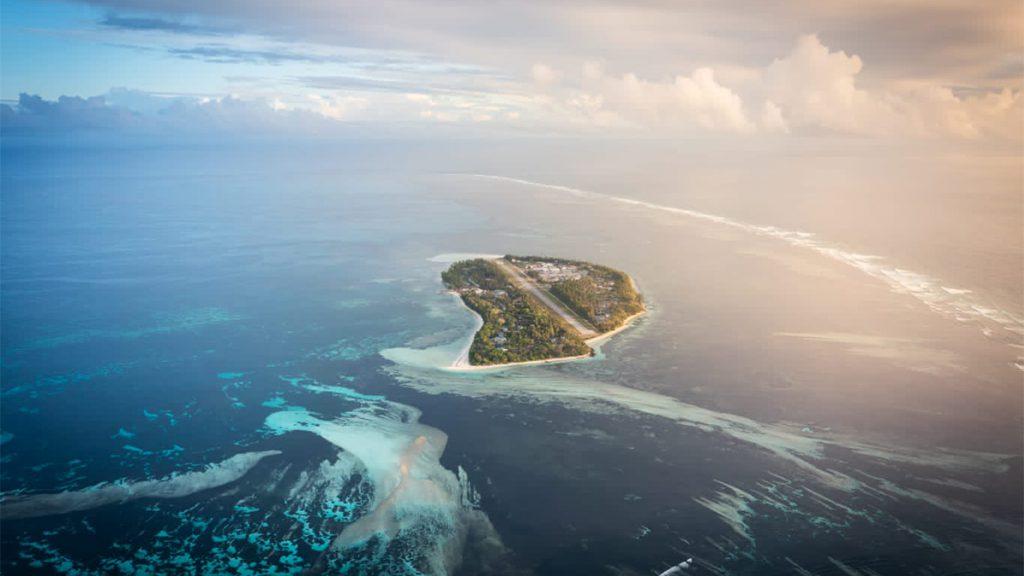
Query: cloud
{"points": [[818, 88], [112, 20], [948, 69], [363, 71], [165, 117], [713, 105], [35, 114], [950, 42], [771, 118], [359, 84], [336, 108], [936, 109], [350, 83], [685, 102], [591, 109], [810, 90], [544, 74], [592, 70], [223, 54], [133, 113]]}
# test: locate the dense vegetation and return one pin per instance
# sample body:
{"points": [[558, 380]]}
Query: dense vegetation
{"points": [[478, 273], [605, 297], [516, 328], [605, 305]]}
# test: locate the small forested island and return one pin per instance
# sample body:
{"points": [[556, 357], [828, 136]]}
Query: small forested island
{"points": [[537, 309]]}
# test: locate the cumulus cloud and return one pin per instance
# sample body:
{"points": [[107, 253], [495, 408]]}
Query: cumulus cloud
{"points": [[590, 109], [938, 110], [133, 112], [337, 108], [544, 74], [948, 69], [818, 88], [685, 102], [233, 114], [315, 114], [710, 103], [771, 118], [67, 112], [812, 89]]}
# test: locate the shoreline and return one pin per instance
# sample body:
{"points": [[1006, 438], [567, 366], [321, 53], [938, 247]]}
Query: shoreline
{"points": [[461, 363], [625, 324], [462, 360]]}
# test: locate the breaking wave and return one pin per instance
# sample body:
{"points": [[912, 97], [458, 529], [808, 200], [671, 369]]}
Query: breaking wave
{"points": [[121, 491], [960, 304]]}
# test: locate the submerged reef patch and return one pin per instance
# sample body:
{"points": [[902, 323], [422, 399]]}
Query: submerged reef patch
{"points": [[173, 486], [420, 513]]}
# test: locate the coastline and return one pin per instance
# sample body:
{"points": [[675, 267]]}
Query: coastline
{"points": [[625, 324], [462, 360], [485, 367], [461, 363]]}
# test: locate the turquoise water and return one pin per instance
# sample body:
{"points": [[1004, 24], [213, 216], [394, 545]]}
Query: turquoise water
{"points": [[230, 363]]}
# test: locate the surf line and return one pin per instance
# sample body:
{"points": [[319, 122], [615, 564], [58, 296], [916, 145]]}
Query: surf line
{"points": [[958, 304]]}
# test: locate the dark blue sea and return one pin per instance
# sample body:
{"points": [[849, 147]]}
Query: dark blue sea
{"points": [[236, 362]]}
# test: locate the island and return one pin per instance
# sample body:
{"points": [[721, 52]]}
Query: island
{"points": [[537, 309]]}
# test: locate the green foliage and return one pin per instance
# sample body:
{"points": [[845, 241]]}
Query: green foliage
{"points": [[582, 295], [477, 273], [516, 328], [604, 297]]}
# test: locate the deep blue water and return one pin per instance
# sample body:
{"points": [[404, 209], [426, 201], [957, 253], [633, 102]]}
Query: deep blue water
{"points": [[192, 362]]}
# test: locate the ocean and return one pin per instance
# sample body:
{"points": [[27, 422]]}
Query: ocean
{"points": [[231, 361]]}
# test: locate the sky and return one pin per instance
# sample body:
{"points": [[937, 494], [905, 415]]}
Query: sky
{"points": [[936, 71]]}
